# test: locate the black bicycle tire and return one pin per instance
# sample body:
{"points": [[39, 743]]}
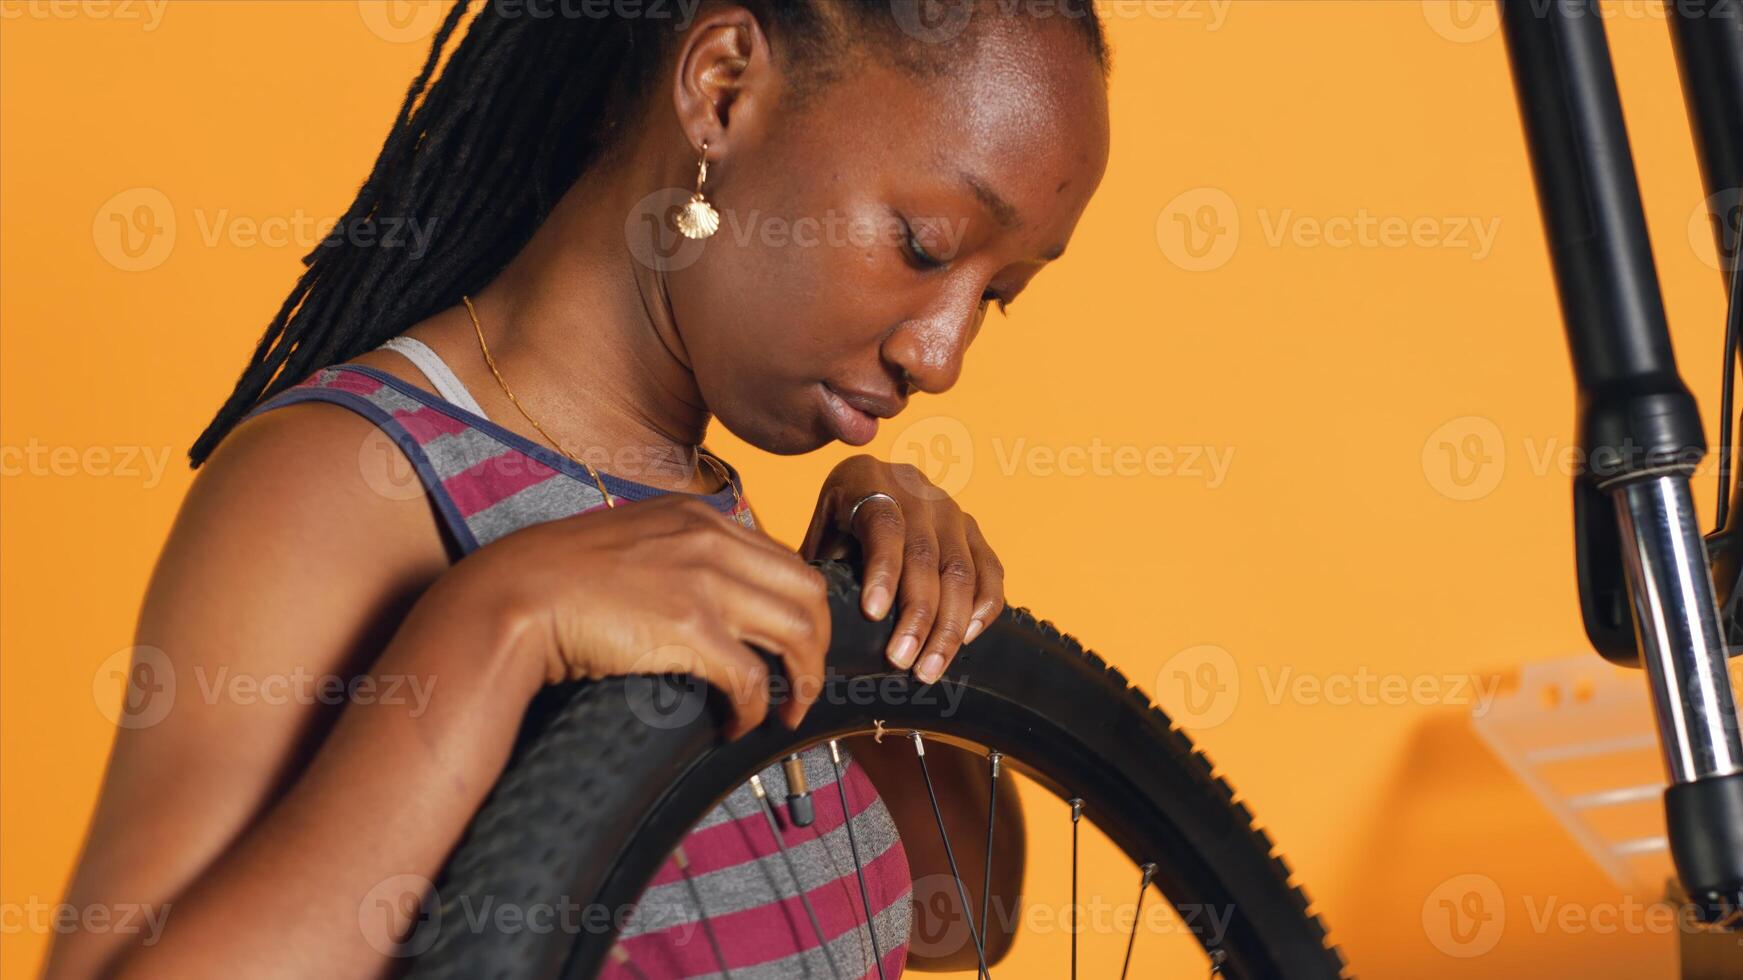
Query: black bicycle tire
{"points": [[594, 778]]}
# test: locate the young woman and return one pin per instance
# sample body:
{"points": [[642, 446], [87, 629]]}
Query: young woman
{"points": [[547, 359]]}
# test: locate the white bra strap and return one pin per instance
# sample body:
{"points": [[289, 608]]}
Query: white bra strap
{"points": [[437, 370]]}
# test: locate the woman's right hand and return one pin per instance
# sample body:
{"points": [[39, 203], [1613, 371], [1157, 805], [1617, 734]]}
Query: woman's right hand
{"points": [[664, 585]]}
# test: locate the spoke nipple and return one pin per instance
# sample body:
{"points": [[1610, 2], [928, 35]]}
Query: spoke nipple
{"points": [[995, 758], [919, 746], [756, 786], [1149, 870], [835, 751], [680, 858], [1076, 808]]}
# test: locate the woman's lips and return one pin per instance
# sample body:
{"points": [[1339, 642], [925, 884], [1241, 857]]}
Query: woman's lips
{"points": [[850, 425]]}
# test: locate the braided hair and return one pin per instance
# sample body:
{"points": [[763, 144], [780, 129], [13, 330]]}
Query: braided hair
{"points": [[536, 92]]}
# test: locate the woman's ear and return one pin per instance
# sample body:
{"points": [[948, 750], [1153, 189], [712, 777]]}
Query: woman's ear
{"points": [[725, 81]]}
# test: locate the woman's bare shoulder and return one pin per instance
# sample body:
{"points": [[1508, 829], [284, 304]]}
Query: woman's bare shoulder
{"points": [[284, 567], [316, 467], [307, 503]]}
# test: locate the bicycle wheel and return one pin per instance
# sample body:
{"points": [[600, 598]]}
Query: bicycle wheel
{"points": [[610, 781]]}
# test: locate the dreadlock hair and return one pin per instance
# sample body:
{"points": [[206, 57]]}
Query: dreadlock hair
{"points": [[535, 92]]}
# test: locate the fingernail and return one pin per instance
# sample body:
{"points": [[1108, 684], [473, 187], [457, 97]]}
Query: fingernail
{"points": [[877, 602], [930, 668], [903, 655], [974, 628]]}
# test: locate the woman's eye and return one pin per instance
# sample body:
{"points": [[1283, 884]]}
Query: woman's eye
{"points": [[917, 252]]}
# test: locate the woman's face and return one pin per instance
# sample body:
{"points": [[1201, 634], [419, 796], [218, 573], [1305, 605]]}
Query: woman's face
{"points": [[863, 240]]}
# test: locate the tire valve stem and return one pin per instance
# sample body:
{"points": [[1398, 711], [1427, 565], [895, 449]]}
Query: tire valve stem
{"points": [[621, 958], [799, 808]]}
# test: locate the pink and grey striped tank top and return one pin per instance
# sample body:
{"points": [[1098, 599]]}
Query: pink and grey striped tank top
{"points": [[738, 913]]}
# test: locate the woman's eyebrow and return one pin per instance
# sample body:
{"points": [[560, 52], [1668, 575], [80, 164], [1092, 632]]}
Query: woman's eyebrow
{"points": [[1002, 210]]}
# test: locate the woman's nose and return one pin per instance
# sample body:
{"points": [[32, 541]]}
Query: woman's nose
{"points": [[931, 351]]}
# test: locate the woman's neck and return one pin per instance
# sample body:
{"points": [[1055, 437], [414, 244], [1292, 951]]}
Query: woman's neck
{"points": [[582, 334]]}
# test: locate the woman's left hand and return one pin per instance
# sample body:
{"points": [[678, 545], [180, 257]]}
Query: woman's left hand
{"points": [[921, 551]]}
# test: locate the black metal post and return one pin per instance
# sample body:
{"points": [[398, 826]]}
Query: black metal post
{"points": [[1708, 38], [1639, 547], [1635, 413]]}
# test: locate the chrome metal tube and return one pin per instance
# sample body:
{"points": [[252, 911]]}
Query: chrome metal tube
{"points": [[1681, 641]]}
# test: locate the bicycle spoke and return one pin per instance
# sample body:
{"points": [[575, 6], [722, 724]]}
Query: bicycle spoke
{"points": [[1076, 815], [1149, 870], [756, 785], [683, 862], [961, 892], [992, 799], [858, 868]]}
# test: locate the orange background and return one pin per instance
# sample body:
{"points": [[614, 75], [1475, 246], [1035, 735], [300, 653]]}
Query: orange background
{"points": [[1325, 374]]}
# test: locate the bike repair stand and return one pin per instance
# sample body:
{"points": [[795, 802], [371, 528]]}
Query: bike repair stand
{"points": [[1578, 732], [1647, 593]]}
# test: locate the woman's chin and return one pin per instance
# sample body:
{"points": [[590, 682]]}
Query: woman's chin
{"points": [[782, 436]]}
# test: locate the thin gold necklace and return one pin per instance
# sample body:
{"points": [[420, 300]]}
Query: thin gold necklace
{"points": [[610, 501]]}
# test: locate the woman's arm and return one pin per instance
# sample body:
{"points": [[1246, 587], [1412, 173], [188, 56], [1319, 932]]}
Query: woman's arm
{"points": [[280, 829], [323, 884], [281, 581]]}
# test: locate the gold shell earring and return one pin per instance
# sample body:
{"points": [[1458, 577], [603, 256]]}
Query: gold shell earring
{"points": [[697, 218]]}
